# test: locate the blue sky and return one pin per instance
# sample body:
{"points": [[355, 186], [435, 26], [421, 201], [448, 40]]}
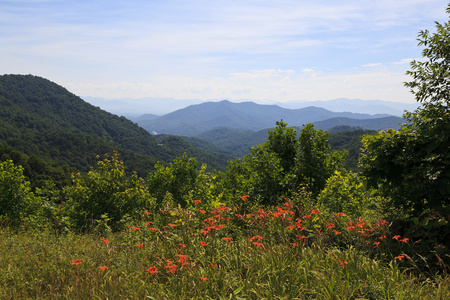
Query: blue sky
{"points": [[266, 51]]}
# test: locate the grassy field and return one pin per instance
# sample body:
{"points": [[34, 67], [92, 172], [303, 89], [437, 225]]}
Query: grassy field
{"points": [[220, 253]]}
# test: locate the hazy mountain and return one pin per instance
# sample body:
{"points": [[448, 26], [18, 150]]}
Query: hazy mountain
{"points": [[367, 124], [195, 119], [356, 106]]}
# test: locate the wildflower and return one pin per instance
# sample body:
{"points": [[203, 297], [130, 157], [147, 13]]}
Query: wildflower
{"points": [[182, 259], [152, 229], [257, 244], [148, 223], [244, 198], [204, 232], [104, 241], [182, 245], [203, 244], [331, 225], [343, 263], [382, 237], [135, 228], [315, 212], [197, 201], [202, 211], [77, 262], [307, 217], [340, 214], [301, 237], [214, 266], [102, 268], [382, 223], [228, 239], [171, 268], [400, 257], [140, 245], [172, 225], [147, 213], [405, 240], [152, 270], [396, 237], [376, 244], [291, 227], [294, 245], [337, 232], [203, 278]]}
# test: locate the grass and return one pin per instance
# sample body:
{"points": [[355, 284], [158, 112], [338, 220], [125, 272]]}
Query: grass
{"points": [[223, 253]]}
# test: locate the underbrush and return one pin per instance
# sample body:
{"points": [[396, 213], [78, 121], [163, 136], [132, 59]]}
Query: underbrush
{"points": [[222, 253]]}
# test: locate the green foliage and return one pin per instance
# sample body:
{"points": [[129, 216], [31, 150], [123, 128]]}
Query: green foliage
{"points": [[17, 202], [430, 76], [283, 165], [412, 165], [178, 179], [106, 191], [346, 192]]}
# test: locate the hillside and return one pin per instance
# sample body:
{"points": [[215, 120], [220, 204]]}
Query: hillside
{"points": [[39, 117], [196, 119]]}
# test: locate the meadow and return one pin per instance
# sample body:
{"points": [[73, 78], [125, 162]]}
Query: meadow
{"points": [[223, 252]]}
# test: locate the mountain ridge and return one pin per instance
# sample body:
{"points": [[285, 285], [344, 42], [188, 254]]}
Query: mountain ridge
{"points": [[194, 119]]}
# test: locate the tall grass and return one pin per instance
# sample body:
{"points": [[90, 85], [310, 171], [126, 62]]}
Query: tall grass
{"points": [[220, 253]]}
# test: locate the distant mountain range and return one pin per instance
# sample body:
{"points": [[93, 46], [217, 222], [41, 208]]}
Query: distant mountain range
{"points": [[133, 108], [195, 119]]}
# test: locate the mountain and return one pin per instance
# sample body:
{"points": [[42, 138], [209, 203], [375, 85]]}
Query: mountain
{"points": [[194, 119], [39, 117], [356, 106], [367, 124]]}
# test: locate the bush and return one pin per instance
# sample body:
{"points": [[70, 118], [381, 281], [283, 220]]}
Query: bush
{"points": [[107, 193], [17, 202]]}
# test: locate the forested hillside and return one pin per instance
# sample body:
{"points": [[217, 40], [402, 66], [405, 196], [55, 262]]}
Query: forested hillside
{"points": [[39, 117]]}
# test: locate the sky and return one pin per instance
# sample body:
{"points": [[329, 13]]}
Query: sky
{"points": [[265, 51]]}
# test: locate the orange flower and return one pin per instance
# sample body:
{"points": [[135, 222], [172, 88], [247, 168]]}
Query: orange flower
{"points": [[182, 259], [172, 225], [294, 245], [405, 240], [152, 229], [228, 239], [140, 245], [147, 213], [202, 211], [257, 244], [152, 270], [171, 268], [203, 244], [135, 228], [396, 237], [203, 278], [214, 266], [382, 237], [340, 214], [148, 223], [204, 232], [197, 201], [104, 241], [244, 198], [102, 268], [376, 244], [315, 211], [77, 262], [337, 232], [400, 257], [182, 245], [343, 263]]}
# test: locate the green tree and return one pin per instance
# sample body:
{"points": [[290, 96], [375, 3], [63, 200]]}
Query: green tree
{"points": [[315, 162], [412, 165], [178, 178], [105, 192], [17, 202]]}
